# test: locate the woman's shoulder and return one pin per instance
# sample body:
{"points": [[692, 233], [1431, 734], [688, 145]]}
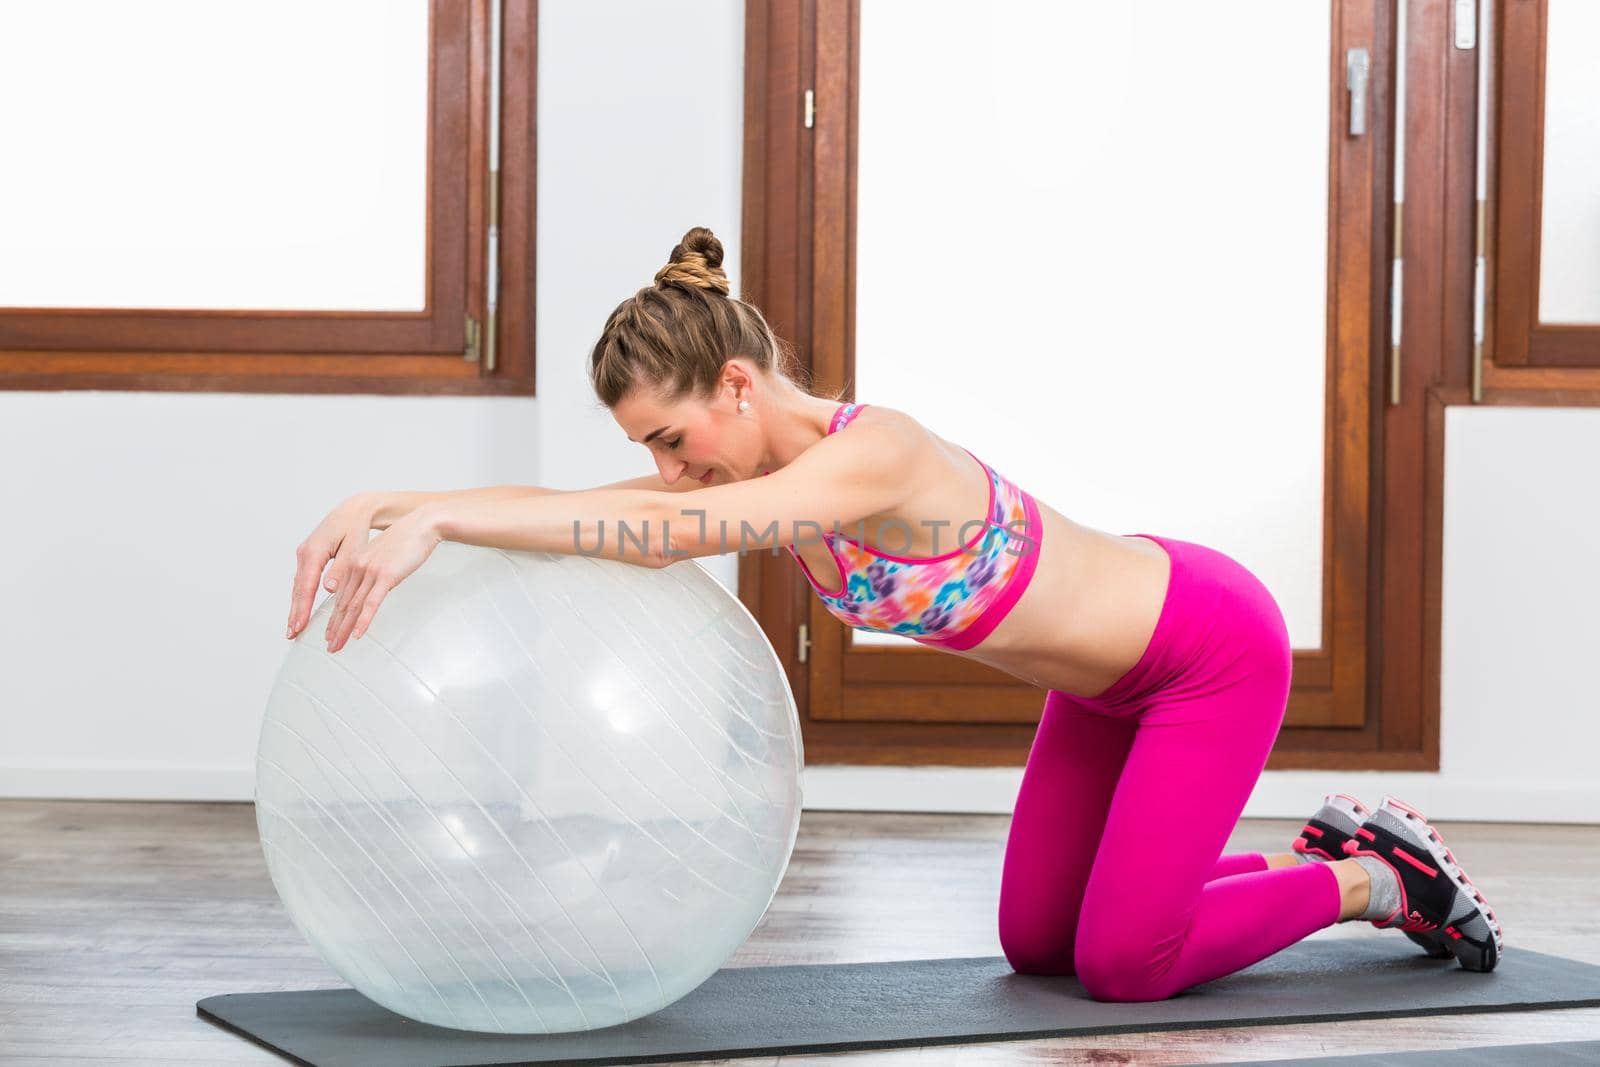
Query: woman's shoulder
{"points": [[884, 420], [867, 440], [891, 423]]}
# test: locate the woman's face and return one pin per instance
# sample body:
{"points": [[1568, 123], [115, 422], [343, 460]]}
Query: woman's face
{"points": [[704, 440]]}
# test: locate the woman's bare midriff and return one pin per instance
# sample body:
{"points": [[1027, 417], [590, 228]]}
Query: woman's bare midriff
{"points": [[1088, 614]]}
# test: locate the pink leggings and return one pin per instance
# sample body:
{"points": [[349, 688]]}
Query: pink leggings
{"points": [[1114, 868]]}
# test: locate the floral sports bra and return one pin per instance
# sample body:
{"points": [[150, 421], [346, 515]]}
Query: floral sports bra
{"points": [[953, 600]]}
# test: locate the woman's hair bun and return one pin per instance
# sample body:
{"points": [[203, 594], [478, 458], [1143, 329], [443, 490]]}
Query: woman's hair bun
{"points": [[696, 263]]}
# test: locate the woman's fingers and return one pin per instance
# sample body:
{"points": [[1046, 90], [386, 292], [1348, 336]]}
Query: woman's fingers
{"points": [[344, 571], [353, 574], [341, 573], [369, 608], [357, 576], [371, 571], [340, 565], [309, 562], [355, 606]]}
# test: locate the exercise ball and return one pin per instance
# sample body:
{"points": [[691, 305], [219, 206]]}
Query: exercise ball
{"points": [[541, 794]]}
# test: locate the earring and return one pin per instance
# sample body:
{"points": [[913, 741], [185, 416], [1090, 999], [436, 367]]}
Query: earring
{"points": [[744, 405]]}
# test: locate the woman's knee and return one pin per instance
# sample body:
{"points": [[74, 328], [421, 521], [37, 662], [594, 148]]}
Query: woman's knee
{"points": [[1033, 948], [1123, 969], [1038, 959]]}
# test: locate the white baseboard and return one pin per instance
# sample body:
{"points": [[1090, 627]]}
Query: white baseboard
{"points": [[977, 790], [128, 781], [1279, 794]]}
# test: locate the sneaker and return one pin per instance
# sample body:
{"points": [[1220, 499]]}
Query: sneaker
{"points": [[1324, 837], [1436, 896], [1334, 823]]}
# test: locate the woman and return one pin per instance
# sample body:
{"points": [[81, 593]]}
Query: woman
{"points": [[1166, 664]]}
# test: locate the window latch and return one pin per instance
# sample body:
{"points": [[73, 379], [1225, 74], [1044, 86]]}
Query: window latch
{"points": [[1355, 82]]}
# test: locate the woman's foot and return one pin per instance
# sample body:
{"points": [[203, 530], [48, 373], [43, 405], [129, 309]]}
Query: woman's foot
{"points": [[1436, 897], [1323, 838]]}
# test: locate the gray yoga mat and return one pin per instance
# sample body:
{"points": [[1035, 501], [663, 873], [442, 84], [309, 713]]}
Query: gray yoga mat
{"points": [[773, 1011], [1555, 1054]]}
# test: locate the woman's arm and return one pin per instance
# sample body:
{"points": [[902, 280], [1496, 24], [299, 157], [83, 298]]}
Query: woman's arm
{"points": [[389, 506], [837, 482], [346, 529]]}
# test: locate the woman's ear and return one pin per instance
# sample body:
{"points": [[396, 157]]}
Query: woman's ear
{"points": [[737, 381]]}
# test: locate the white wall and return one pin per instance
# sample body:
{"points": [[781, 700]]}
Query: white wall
{"points": [[146, 555], [146, 539]]}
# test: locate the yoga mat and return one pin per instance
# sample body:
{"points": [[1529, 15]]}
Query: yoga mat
{"points": [[1557, 1054], [774, 1011]]}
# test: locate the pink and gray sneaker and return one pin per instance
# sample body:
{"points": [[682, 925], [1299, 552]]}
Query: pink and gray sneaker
{"points": [[1323, 838], [1325, 833], [1437, 898]]}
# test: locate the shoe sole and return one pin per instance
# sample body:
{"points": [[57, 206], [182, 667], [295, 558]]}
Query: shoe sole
{"points": [[1472, 957], [1432, 944]]}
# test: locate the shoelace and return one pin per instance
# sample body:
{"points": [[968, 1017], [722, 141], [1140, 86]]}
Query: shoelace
{"points": [[1415, 923]]}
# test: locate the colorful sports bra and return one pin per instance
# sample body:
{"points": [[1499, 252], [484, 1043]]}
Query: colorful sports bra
{"points": [[953, 600]]}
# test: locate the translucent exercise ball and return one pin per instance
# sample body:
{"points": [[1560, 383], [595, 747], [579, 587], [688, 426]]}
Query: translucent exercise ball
{"points": [[541, 794]]}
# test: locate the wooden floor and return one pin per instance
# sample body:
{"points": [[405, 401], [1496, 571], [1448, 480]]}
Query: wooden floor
{"points": [[115, 918]]}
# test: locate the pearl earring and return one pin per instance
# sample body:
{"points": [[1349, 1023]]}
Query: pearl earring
{"points": [[744, 405]]}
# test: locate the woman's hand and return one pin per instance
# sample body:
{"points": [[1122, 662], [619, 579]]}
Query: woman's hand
{"points": [[337, 538], [377, 567]]}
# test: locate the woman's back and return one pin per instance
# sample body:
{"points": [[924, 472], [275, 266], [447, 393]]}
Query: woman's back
{"points": [[974, 564]]}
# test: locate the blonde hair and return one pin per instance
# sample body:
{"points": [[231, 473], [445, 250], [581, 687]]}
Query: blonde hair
{"points": [[677, 334]]}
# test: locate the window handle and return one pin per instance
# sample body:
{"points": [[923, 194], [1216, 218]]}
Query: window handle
{"points": [[1355, 83]]}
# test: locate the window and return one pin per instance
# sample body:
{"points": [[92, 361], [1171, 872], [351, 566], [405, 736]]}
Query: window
{"points": [[288, 197], [1216, 314], [1542, 342]]}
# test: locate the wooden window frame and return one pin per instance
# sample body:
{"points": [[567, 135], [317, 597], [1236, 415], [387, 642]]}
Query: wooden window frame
{"points": [[1523, 361], [784, 48], [351, 352]]}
